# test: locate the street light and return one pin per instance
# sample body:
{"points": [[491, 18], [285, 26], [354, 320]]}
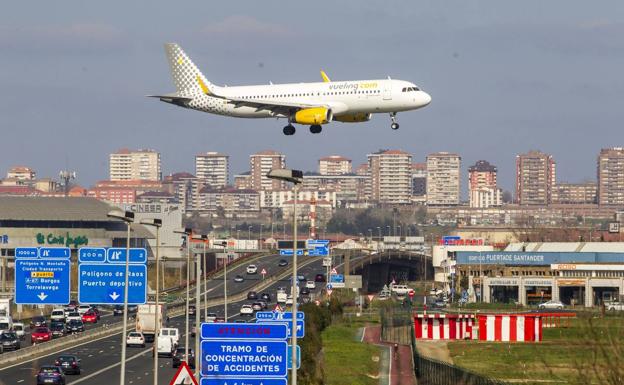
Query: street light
{"points": [[128, 218], [157, 223], [249, 233], [187, 235], [388, 230], [225, 261], [295, 177], [198, 264]]}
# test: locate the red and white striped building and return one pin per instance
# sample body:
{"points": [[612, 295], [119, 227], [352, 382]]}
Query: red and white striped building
{"points": [[443, 326], [510, 327]]}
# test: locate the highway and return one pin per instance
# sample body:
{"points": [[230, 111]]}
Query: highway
{"points": [[101, 358]]}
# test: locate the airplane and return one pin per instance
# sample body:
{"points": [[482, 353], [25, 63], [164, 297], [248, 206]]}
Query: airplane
{"points": [[312, 104]]}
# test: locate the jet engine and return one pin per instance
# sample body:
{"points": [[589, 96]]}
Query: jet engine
{"points": [[312, 116]]}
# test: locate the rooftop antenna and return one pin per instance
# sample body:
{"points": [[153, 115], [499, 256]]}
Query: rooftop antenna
{"points": [[66, 176]]}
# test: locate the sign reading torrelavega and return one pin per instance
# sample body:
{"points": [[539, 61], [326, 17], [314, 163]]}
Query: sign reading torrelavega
{"points": [[66, 240]]}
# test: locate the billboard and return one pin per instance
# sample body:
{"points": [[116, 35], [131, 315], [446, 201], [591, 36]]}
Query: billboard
{"points": [[517, 258]]}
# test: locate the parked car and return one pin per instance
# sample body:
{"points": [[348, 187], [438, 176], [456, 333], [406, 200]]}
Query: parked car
{"points": [[239, 278], [50, 374], [552, 304], [37, 321], [252, 269], [58, 329], [246, 310], [70, 364], [10, 341], [40, 334], [89, 317], [610, 306], [319, 278], [135, 339], [310, 285], [180, 355], [75, 326], [73, 316], [252, 295], [265, 297], [282, 262], [19, 329]]}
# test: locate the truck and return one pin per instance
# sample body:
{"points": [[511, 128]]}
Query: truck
{"points": [[145, 319], [5, 307], [282, 296]]}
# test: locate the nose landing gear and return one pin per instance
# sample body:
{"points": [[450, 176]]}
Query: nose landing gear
{"points": [[316, 129], [289, 130], [394, 125]]}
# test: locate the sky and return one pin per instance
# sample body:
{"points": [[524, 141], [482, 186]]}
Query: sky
{"points": [[505, 78]]}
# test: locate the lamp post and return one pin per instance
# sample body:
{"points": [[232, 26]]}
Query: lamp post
{"points": [[198, 264], [128, 218], [225, 261], [379, 231], [187, 235], [260, 232], [295, 177], [249, 233], [370, 234], [157, 223]]}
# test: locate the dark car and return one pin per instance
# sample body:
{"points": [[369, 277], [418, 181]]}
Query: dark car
{"points": [[265, 297], [37, 321], [50, 374], [263, 304], [219, 319], [239, 278], [96, 311], [282, 262], [10, 341], [257, 306], [319, 278], [69, 363], [240, 321], [180, 355], [252, 295], [58, 329], [118, 309], [192, 309], [301, 278], [75, 326], [304, 291]]}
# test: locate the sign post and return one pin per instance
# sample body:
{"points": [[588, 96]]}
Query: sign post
{"points": [[263, 272]]}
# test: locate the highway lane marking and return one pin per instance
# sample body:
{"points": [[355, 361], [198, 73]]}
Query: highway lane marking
{"points": [[108, 367], [18, 381]]}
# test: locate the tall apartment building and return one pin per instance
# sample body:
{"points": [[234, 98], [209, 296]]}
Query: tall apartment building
{"points": [[335, 165], [214, 168], [419, 182], [535, 178], [574, 193], [443, 182], [482, 186], [261, 164], [21, 173], [134, 165], [390, 176], [611, 176]]}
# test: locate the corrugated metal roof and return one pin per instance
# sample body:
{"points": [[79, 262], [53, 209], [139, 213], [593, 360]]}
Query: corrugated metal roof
{"points": [[53, 208]]}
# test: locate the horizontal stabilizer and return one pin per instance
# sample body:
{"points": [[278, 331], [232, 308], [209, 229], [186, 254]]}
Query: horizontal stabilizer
{"points": [[172, 98]]}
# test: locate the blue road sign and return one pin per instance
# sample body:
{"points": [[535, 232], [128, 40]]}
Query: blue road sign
{"points": [[268, 316], [336, 278], [249, 381], [54, 252], [288, 323], [239, 359], [42, 281], [289, 357], [103, 283], [237, 331], [318, 247], [92, 254], [26, 252], [118, 255], [289, 252], [329, 286]]}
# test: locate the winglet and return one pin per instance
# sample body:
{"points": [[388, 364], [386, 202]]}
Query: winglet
{"points": [[325, 77]]}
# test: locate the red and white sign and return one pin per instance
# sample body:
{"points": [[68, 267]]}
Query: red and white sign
{"points": [[510, 327], [370, 297], [278, 308], [183, 376], [334, 271], [263, 272], [411, 293], [443, 326], [329, 291]]}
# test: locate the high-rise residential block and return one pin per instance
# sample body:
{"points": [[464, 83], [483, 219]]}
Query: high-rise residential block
{"points": [[443, 182], [482, 187], [419, 182], [334, 165], [390, 176], [135, 165], [535, 178], [261, 164], [574, 193], [611, 176], [21, 173], [213, 167]]}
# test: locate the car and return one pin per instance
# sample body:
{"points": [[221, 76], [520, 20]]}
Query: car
{"points": [[58, 329], [257, 306], [40, 334], [73, 316], [72, 305], [282, 262], [289, 299], [219, 319], [252, 295], [50, 374], [10, 341], [96, 311], [552, 304], [310, 285], [239, 278], [400, 290], [135, 339], [37, 321], [194, 330], [132, 309], [75, 326], [19, 329], [192, 309], [265, 297], [264, 304], [89, 317], [166, 346], [57, 315], [252, 269], [304, 291], [83, 309], [172, 333], [610, 306], [319, 278], [301, 278], [246, 310], [180, 355], [118, 310], [70, 364], [210, 317]]}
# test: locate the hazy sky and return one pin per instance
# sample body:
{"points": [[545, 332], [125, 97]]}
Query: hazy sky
{"points": [[505, 77]]}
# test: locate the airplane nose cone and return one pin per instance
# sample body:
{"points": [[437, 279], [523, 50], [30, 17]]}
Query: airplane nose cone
{"points": [[426, 99]]}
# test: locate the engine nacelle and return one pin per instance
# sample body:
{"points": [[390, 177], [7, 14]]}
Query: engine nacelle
{"points": [[312, 116], [354, 118]]}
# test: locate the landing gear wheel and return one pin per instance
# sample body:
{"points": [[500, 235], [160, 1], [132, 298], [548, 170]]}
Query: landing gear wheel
{"points": [[289, 130], [316, 129], [394, 126]]}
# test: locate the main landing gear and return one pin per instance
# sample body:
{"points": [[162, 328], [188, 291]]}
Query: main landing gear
{"points": [[289, 130], [394, 125], [316, 129]]}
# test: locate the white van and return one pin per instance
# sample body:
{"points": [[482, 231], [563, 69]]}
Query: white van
{"points": [[58, 314], [400, 289], [6, 323], [172, 333], [20, 330], [166, 347]]}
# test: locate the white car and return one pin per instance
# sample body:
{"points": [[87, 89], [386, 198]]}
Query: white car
{"points": [[58, 314], [19, 329], [135, 339], [74, 315], [246, 310], [252, 269], [289, 300], [400, 290], [551, 305], [311, 285], [611, 306], [211, 317], [83, 309]]}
